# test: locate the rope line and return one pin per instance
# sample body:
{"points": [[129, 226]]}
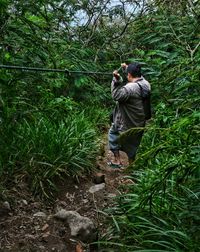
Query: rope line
{"points": [[65, 71]]}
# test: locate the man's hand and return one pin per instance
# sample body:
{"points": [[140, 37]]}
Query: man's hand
{"points": [[124, 66], [116, 75]]}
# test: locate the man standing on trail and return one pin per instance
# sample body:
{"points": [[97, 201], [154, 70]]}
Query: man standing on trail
{"points": [[128, 113]]}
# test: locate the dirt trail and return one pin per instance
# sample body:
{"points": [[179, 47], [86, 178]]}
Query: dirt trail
{"points": [[29, 226]]}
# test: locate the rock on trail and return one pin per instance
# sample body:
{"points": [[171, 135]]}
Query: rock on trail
{"points": [[70, 223], [81, 227]]}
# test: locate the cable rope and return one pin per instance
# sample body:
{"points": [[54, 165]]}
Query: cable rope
{"points": [[65, 71]]}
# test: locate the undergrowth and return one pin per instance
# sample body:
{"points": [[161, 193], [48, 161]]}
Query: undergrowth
{"points": [[50, 123], [44, 149], [161, 210]]}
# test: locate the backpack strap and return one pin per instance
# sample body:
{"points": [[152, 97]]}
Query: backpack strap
{"points": [[141, 89], [146, 102]]}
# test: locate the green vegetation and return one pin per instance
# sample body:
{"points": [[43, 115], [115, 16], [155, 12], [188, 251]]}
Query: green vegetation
{"points": [[161, 210], [50, 123]]}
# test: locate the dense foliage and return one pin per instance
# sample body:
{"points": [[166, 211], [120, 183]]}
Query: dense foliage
{"points": [[50, 123], [161, 210]]}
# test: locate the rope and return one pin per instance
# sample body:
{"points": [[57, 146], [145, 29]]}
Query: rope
{"points": [[65, 71]]}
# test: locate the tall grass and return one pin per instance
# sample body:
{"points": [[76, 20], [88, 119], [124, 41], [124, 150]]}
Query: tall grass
{"points": [[161, 210], [44, 149]]}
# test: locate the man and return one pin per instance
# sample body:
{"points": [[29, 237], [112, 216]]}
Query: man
{"points": [[128, 113]]}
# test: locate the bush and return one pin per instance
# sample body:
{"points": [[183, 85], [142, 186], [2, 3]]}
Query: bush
{"points": [[44, 149]]}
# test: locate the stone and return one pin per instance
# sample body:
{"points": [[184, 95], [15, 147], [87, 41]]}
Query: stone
{"points": [[37, 227], [35, 205], [40, 214], [30, 237], [46, 237], [99, 178], [62, 214], [45, 227], [96, 188], [62, 203], [25, 202], [81, 227], [6, 205], [111, 195], [42, 247]]}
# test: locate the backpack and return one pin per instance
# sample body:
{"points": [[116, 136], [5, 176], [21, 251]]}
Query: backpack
{"points": [[146, 101]]}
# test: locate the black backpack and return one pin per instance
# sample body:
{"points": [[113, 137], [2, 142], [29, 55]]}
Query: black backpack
{"points": [[146, 101]]}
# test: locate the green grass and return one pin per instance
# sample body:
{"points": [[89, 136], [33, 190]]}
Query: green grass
{"points": [[44, 150]]}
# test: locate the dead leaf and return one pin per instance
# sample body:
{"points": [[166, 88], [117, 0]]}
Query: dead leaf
{"points": [[79, 248]]}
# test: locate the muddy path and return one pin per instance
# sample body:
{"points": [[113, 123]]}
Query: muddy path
{"points": [[28, 224]]}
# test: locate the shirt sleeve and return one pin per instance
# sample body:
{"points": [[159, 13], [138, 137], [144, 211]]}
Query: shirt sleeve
{"points": [[119, 91]]}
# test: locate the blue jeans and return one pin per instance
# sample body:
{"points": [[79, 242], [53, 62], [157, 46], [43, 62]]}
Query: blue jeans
{"points": [[113, 138], [129, 144]]}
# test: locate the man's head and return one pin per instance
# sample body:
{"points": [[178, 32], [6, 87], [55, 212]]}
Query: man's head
{"points": [[133, 71]]}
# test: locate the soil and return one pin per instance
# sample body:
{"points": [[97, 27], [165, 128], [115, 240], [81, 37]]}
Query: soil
{"points": [[22, 230]]}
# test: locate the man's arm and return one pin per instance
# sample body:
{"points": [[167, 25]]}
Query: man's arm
{"points": [[118, 91]]}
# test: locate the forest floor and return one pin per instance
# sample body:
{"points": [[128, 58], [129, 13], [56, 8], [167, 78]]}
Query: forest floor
{"points": [[28, 224]]}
